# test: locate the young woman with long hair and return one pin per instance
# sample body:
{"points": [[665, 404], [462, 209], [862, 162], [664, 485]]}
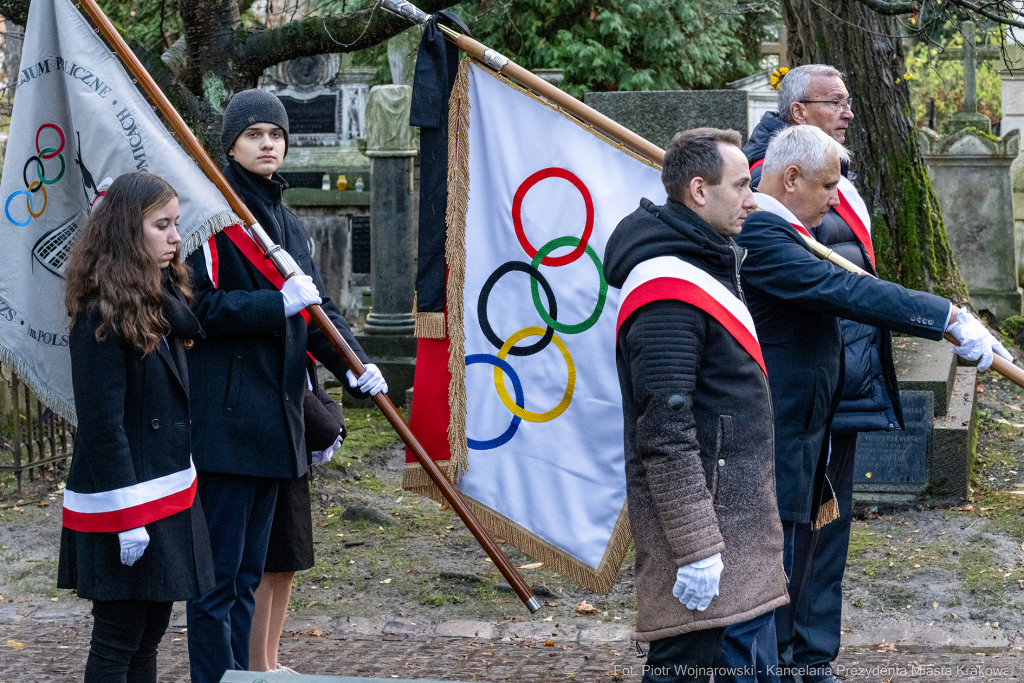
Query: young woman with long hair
{"points": [[134, 537]]}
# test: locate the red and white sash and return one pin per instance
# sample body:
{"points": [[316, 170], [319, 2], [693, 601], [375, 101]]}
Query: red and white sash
{"points": [[768, 203], [851, 209], [246, 244], [131, 506], [667, 277]]}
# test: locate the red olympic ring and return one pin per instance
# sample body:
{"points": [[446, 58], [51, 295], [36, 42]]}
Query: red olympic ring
{"points": [[59, 149], [517, 219]]}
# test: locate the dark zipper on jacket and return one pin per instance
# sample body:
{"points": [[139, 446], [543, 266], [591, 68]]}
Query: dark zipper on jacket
{"points": [[739, 254]]}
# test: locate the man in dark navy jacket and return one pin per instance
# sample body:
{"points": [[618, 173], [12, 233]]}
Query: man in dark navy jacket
{"points": [[249, 380], [796, 301]]}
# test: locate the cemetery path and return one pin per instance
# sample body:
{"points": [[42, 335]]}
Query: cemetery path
{"points": [[931, 594]]}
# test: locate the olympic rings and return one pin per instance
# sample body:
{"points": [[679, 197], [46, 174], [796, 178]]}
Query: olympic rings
{"points": [[28, 204], [504, 437], [570, 385], [39, 171], [41, 180], [485, 293], [52, 152], [517, 218], [601, 294]]}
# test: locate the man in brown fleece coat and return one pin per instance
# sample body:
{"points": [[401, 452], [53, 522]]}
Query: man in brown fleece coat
{"points": [[698, 419]]}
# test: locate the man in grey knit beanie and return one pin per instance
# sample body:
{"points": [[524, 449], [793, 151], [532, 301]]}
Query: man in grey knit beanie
{"points": [[249, 107]]}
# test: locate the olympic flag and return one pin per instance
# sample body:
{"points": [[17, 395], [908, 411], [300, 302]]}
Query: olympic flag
{"points": [[78, 122], [527, 374]]}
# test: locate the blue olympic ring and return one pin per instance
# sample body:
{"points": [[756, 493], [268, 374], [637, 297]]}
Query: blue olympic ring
{"points": [[516, 385], [7, 207]]}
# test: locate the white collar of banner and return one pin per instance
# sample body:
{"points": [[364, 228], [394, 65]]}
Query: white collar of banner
{"points": [[668, 277]]}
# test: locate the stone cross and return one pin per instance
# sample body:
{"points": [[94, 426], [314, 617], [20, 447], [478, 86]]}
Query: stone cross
{"points": [[969, 55]]}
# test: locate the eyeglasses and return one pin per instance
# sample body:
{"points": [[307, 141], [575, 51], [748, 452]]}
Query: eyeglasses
{"points": [[846, 104]]}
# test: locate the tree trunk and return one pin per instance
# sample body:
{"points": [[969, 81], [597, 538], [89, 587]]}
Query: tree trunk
{"points": [[910, 241]]}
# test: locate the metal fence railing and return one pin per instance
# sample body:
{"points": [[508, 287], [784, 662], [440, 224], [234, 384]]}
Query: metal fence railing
{"points": [[35, 438]]}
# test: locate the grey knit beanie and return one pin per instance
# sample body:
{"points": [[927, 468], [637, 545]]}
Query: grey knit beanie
{"points": [[249, 107]]}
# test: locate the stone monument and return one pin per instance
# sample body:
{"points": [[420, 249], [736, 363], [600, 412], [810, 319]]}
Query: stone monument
{"points": [[657, 115], [933, 456], [969, 55], [762, 97], [970, 170]]}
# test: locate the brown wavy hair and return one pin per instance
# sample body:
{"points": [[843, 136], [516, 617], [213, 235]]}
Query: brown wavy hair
{"points": [[109, 264]]}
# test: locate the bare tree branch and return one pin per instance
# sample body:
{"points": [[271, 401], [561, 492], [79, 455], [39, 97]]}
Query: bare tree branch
{"points": [[1003, 14], [318, 35]]}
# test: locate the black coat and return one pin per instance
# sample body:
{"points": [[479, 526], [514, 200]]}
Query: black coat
{"points": [[699, 472], [796, 300], [871, 397], [249, 374], [133, 426]]}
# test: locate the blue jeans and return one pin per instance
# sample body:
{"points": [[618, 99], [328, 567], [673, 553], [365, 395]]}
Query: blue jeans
{"points": [[749, 652], [239, 511]]}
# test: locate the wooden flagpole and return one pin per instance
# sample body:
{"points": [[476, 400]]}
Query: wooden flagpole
{"points": [[623, 135], [285, 266]]}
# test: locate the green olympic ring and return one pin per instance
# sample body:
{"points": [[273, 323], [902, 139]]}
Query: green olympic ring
{"points": [[569, 241], [39, 168]]}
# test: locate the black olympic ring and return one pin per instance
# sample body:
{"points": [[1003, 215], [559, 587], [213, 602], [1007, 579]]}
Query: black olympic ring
{"points": [[481, 308]]}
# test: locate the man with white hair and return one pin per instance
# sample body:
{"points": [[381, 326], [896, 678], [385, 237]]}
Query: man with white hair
{"points": [[815, 95], [796, 301]]}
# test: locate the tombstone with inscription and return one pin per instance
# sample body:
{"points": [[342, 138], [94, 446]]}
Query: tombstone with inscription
{"points": [[657, 115], [933, 455]]}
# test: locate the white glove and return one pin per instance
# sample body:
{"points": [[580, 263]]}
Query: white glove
{"points": [[133, 544], [321, 458], [976, 342], [370, 382], [299, 292], [697, 583]]}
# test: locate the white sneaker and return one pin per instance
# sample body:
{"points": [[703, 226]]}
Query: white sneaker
{"points": [[282, 669]]}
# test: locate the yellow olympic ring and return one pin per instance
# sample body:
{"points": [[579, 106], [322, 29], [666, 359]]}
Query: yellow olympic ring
{"points": [[499, 380], [28, 200]]}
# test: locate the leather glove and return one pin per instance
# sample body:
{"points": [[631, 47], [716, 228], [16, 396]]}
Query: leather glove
{"points": [[976, 342], [299, 292], [697, 583], [133, 544], [321, 458], [370, 382]]}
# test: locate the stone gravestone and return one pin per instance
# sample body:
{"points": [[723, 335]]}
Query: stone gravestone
{"points": [[971, 174], [969, 55], [762, 97], [934, 454], [657, 115]]}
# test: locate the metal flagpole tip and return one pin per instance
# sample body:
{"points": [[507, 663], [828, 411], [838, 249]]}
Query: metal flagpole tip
{"points": [[407, 10], [533, 604]]}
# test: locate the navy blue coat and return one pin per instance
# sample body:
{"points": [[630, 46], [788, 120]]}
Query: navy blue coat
{"points": [[249, 374], [796, 301], [871, 397]]}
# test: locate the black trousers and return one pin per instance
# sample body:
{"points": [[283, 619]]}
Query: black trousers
{"points": [[686, 658], [239, 511], [808, 628], [125, 635]]}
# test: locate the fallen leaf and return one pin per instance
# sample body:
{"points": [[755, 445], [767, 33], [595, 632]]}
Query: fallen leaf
{"points": [[963, 508], [43, 504], [547, 643], [532, 565], [21, 646], [386, 581], [917, 566], [585, 608], [868, 475], [316, 633], [549, 618]]}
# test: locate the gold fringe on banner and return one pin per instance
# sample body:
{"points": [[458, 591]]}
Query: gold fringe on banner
{"points": [[429, 325], [599, 580], [455, 255], [828, 512]]}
